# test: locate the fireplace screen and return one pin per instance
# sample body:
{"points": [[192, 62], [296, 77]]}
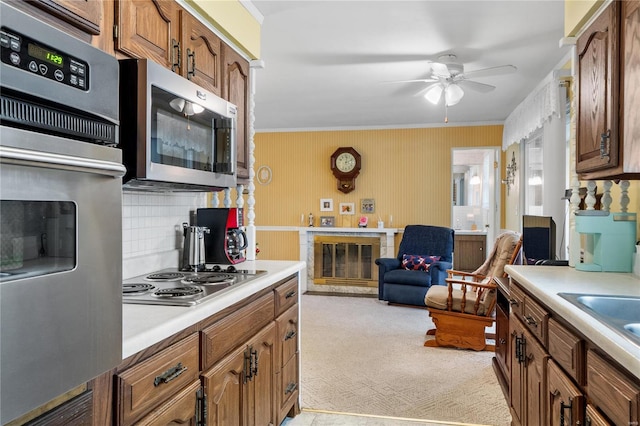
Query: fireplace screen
{"points": [[348, 261]]}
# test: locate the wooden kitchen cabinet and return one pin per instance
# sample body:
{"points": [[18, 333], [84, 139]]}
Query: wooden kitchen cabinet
{"points": [[236, 90], [85, 15], [576, 385], [501, 361], [611, 391], [594, 418], [156, 381], [606, 74], [149, 29], [528, 376], [567, 350], [469, 251], [241, 387], [182, 409], [201, 54], [566, 401]]}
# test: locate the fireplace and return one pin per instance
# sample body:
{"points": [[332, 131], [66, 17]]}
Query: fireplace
{"points": [[345, 261], [339, 247]]}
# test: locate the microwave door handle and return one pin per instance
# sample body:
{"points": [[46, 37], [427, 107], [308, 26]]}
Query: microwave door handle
{"points": [[27, 157]]}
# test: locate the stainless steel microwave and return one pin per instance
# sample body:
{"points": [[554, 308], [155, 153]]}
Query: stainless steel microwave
{"points": [[174, 134]]}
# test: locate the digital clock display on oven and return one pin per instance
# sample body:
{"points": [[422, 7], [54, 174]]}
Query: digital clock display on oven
{"points": [[45, 55]]}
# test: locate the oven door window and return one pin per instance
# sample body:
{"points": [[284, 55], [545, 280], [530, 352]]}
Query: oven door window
{"points": [[185, 134], [36, 238]]}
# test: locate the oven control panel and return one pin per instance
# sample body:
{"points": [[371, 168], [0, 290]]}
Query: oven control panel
{"points": [[32, 56]]}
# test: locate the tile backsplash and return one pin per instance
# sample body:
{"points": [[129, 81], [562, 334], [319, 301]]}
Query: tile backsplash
{"points": [[152, 221]]}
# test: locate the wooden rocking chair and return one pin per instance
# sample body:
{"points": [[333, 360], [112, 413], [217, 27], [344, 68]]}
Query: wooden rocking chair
{"points": [[462, 309]]}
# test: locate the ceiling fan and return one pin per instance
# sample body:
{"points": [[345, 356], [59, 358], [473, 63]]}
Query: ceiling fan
{"points": [[448, 77]]}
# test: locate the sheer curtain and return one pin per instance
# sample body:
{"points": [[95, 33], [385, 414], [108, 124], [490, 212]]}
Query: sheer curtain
{"points": [[538, 125]]}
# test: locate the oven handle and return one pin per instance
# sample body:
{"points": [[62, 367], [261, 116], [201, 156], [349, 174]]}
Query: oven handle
{"points": [[27, 157]]}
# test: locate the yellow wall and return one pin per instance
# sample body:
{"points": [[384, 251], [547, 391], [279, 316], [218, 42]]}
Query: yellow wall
{"points": [[577, 13], [406, 171], [234, 20]]}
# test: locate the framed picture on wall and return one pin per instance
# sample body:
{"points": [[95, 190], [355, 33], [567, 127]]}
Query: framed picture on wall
{"points": [[327, 221], [347, 208], [326, 204], [367, 205]]}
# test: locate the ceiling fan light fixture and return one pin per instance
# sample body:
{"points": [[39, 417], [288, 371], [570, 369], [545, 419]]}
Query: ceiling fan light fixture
{"points": [[453, 94], [434, 93]]}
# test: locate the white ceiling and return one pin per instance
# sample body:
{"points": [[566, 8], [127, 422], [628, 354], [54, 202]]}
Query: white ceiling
{"points": [[328, 63]]}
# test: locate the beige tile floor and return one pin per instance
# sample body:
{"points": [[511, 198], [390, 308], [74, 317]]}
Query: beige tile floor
{"points": [[326, 418]]}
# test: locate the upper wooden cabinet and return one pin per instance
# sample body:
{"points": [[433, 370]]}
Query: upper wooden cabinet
{"points": [[606, 71], [236, 90], [149, 29], [201, 61], [82, 14], [598, 92]]}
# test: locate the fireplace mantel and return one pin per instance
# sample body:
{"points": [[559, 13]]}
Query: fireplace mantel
{"points": [[307, 234]]}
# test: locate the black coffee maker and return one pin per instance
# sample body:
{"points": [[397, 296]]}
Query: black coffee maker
{"points": [[226, 242]]}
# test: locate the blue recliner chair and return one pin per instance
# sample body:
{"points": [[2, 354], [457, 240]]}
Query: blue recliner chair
{"points": [[407, 282]]}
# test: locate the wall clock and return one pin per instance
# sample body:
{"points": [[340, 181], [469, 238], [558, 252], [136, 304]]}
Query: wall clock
{"points": [[345, 165]]}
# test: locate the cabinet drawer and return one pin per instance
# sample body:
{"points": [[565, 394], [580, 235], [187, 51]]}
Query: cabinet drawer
{"points": [[152, 381], [289, 386], [535, 317], [181, 410], [612, 392], [288, 334], [223, 336], [286, 295], [516, 300], [567, 350]]}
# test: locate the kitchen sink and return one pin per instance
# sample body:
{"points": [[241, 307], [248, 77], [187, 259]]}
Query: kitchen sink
{"points": [[620, 313]]}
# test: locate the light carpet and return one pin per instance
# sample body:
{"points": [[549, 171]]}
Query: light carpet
{"points": [[360, 355]]}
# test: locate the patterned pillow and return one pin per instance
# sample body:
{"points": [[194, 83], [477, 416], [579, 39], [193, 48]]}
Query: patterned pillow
{"points": [[416, 262]]}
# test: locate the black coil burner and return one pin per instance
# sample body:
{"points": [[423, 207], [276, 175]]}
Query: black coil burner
{"points": [[178, 292], [165, 276], [211, 279], [132, 289]]}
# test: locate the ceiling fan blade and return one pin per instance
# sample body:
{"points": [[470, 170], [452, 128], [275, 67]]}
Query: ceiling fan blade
{"points": [[422, 80], [485, 72], [331, 59], [474, 85]]}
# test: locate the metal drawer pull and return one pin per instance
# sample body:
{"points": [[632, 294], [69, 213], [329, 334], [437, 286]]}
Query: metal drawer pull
{"points": [[290, 294], [290, 388], [513, 302], [290, 335], [170, 374], [531, 321]]}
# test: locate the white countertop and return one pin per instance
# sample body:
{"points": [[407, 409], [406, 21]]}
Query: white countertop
{"points": [[146, 325], [545, 282]]}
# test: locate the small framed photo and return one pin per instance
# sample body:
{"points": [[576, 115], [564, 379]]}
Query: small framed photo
{"points": [[327, 221], [367, 205], [326, 205], [347, 208]]}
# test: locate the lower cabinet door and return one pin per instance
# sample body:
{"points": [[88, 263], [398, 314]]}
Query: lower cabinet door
{"points": [[288, 388], [261, 388], [180, 410], [566, 402], [223, 386], [240, 389]]}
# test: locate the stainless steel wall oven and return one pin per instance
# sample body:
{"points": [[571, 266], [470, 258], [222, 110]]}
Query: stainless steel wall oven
{"points": [[60, 213]]}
